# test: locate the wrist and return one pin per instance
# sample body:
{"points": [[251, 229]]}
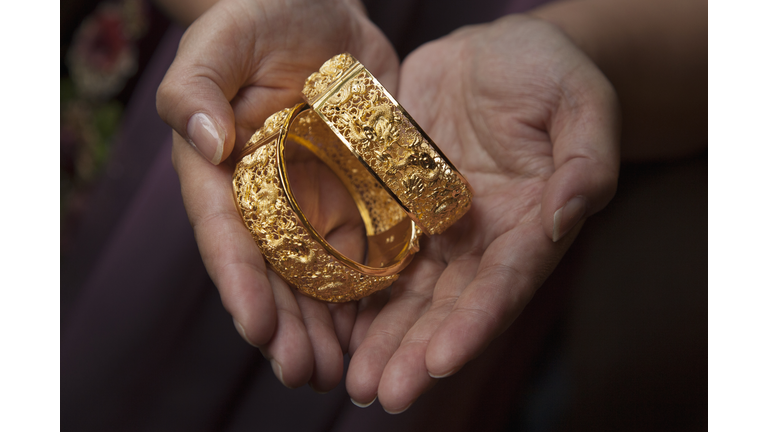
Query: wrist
{"points": [[580, 21], [654, 52]]}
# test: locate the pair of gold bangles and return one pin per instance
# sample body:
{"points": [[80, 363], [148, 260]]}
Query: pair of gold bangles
{"points": [[401, 182]]}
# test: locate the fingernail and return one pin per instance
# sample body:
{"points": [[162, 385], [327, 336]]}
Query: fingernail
{"points": [[278, 370], [398, 411], [363, 405], [567, 216], [447, 374], [241, 331], [206, 136]]}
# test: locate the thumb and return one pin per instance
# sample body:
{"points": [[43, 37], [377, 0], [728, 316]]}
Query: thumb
{"points": [[585, 140], [194, 96]]}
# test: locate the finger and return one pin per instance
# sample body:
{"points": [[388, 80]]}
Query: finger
{"points": [[329, 362], [410, 298], [368, 309], [406, 376], [253, 104], [585, 136], [230, 255], [510, 271], [194, 95], [290, 351], [343, 316]]}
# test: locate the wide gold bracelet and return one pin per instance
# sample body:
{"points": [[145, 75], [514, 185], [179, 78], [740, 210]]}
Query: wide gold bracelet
{"points": [[289, 242], [379, 132], [400, 181]]}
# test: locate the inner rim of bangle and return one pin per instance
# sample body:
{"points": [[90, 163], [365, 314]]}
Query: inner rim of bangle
{"points": [[390, 238]]}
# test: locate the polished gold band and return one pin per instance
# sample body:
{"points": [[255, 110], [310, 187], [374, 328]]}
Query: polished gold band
{"points": [[287, 239], [379, 132]]}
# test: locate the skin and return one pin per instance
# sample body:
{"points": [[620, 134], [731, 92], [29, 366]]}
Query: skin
{"points": [[521, 106], [238, 65], [531, 122]]}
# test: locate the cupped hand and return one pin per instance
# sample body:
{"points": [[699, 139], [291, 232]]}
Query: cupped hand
{"points": [[238, 63], [534, 127]]}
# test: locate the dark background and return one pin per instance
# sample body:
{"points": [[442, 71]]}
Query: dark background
{"points": [[615, 340]]}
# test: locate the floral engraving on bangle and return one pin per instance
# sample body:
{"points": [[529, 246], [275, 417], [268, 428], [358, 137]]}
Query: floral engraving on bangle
{"points": [[386, 139], [285, 242], [319, 82]]}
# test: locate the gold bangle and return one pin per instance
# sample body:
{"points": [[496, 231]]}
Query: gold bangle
{"points": [[399, 179], [379, 132], [287, 239]]}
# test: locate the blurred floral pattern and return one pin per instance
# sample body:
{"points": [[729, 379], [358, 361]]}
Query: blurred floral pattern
{"points": [[101, 58]]}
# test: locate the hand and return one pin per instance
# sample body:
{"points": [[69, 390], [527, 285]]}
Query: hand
{"points": [[237, 64], [534, 126]]}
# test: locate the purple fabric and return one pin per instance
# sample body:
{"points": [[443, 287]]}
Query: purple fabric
{"points": [[140, 140]]}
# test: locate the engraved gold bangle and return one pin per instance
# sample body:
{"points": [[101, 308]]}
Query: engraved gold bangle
{"points": [[288, 240], [399, 179], [379, 132]]}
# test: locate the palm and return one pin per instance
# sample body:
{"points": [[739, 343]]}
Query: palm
{"points": [[262, 51], [491, 98]]}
